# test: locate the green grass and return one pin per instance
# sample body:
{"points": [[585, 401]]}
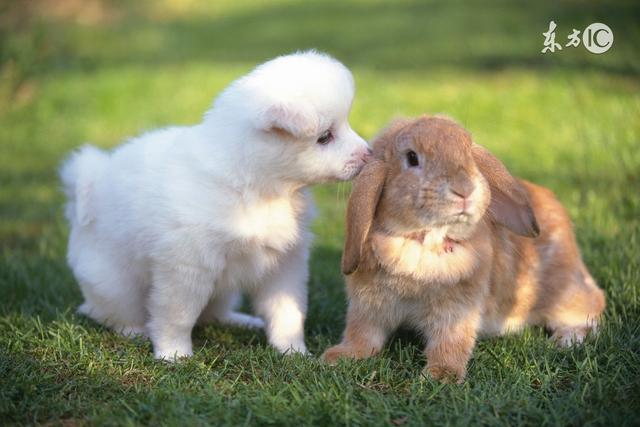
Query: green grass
{"points": [[569, 121]]}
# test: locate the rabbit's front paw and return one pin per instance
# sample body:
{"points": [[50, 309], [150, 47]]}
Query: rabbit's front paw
{"points": [[334, 353], [446, 374]]}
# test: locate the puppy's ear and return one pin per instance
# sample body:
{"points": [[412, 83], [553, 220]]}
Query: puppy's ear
{"points": [[510, 204], [299, 121], [363, 201]]}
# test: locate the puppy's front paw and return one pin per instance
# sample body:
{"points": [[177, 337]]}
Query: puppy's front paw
{"points": [[446, 374], [173, 351], [295, 348], [171, 356]]}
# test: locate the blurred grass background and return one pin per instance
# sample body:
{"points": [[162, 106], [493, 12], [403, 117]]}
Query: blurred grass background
{"points": [[73, 71]]}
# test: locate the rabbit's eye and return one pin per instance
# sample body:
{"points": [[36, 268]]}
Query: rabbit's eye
{"points": [[326, 137], [412, 159]]}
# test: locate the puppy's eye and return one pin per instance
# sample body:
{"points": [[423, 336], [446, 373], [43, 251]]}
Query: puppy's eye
{"points": [[326, 137], [412, 159]]}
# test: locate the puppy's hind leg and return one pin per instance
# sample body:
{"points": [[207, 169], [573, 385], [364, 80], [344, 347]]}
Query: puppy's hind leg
{"points": [[126, 330], [177, 297], [222, 309], [113, 298]]}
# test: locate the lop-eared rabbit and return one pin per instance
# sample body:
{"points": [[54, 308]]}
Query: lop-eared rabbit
{"points": [[441, 237]]}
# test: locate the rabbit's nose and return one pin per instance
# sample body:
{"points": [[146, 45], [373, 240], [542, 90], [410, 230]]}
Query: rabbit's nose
{"points": [[463, 188]]}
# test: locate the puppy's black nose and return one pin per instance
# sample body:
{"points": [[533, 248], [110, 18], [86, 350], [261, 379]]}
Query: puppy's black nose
{"points": [[366, 154]]}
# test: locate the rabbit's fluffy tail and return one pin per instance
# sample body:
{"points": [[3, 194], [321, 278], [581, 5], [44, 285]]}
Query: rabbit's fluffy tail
{"points": [[78, 173]]}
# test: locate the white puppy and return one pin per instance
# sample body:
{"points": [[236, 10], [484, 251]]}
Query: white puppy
{"points": [[169, 228]]}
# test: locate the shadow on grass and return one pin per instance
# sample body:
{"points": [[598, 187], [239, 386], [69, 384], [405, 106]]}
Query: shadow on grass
{"points": [[395, 36], [405, 35]]}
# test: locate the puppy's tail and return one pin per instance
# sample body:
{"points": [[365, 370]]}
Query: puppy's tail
{"points": [[78, 173]]}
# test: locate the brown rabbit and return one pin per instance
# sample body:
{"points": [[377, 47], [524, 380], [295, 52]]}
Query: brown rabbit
{"points": [[442, 238]]}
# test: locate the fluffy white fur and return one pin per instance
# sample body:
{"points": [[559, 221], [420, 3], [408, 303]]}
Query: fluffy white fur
{"points": [[169, 228]]}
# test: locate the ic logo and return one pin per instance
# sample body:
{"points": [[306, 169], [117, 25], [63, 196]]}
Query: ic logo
{"points": [[597, 38]]}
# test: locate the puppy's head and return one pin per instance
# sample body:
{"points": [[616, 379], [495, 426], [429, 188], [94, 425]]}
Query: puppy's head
{"points": [[298, 106]]}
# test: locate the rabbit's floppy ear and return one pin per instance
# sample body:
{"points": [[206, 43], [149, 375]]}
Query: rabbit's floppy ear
{"points": [[363, 201], [299, 121], [510, 204]]}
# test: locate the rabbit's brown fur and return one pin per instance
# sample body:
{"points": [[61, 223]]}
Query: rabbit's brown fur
{"points": [[457, 248]]}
